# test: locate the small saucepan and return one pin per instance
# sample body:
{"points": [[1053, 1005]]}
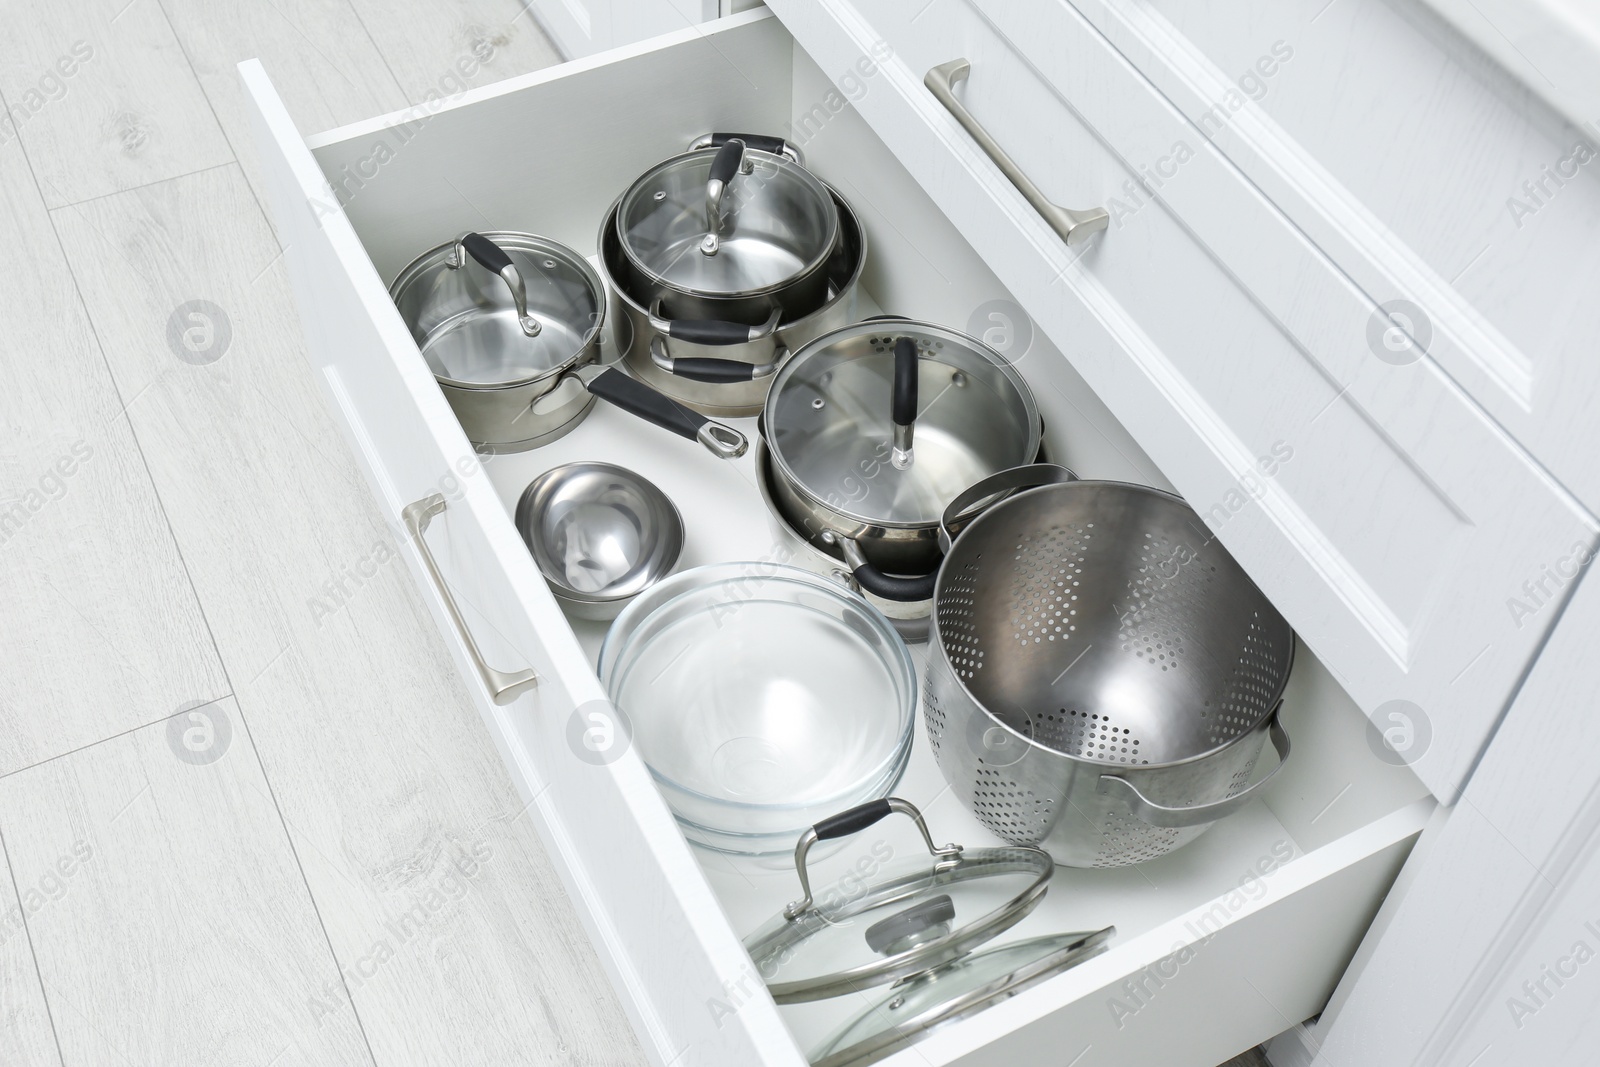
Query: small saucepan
{"points": [[510, 325], [732, 233], [873, 429]]}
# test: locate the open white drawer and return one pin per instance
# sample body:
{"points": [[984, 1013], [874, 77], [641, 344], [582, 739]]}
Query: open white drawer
{"points": [[1220, 945]]}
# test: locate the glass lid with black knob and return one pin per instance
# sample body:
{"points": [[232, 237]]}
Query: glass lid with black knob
{"points": [[886, 421], [917, 914], [728, 221]]}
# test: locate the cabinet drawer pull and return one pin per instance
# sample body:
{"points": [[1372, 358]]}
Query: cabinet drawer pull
{"points": [[1074, 227], [503, 687]]}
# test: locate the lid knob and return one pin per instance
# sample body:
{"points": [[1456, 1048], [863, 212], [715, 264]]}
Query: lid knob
{"points": [[919, 923]]}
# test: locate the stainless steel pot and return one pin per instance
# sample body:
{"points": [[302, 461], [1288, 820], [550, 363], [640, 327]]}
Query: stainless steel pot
{"points": [[1102, 676], [514, 345], [731, 233], [874, 428], [910, 618], [724, 369]]}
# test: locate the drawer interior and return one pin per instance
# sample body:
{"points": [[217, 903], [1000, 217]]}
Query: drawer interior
{"points": [[549, 154]]}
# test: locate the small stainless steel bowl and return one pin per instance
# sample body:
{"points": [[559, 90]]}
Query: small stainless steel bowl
{"points": [[601, 535]]}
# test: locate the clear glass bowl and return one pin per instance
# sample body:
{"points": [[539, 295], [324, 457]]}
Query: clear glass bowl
{"points": [[763, 698]]}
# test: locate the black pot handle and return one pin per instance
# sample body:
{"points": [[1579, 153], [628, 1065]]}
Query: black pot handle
{"points": [[712, 331], [639, 399], [712, 371], [901, 590], [853, 821], [1027, 476], [894, 587], [761, 142]]}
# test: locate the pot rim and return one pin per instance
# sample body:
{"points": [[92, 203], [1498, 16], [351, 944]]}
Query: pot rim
{"points": [[817, 260], [781, 467], [936, 639], [609, 222], [521, 241]]}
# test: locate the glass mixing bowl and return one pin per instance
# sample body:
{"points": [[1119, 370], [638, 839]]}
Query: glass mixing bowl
{"points": [[763, 698]]}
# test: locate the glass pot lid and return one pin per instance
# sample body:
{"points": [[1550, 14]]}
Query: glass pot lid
{"points": [[921, 913], [729, 221], [888, 420], [496, 309], [954, 991]]}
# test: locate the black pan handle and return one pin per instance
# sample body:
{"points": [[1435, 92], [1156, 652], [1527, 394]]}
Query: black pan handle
{"points": [[639, 399]]}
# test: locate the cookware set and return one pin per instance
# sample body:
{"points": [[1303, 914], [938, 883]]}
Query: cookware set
{"points": [[1101, 676]]}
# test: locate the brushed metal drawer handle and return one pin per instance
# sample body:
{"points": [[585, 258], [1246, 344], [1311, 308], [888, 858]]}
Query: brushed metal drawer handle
{"points": [[503, 687], [1074, 227]]}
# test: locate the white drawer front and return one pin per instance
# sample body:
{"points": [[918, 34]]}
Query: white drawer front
{"points": [[1276, 897], [1426, 172], [648, 908], [1389, 518]]}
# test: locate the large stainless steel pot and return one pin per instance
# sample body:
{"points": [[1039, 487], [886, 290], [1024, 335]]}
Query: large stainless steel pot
{"points": [[731, 234], [514, 346], [1102, 676], [874, 428], [723, 369]]}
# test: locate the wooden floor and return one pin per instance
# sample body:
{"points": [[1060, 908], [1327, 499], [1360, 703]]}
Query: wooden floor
{"points": [[247, 814]]}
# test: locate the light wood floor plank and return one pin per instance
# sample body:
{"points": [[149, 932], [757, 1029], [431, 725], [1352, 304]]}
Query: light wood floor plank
{"points": [[101, 631], [180, 930], [317, 51], [434, 888], [441, 49], [26, 1037], [102, 96]]}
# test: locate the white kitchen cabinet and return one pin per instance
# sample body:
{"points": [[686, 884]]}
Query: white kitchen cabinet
{"points": [[1222, 338], [1420, 167], [1177, 350]]}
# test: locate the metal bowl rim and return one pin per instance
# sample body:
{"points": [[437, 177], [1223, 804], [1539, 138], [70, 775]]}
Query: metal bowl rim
{"points": [[525, 520]]}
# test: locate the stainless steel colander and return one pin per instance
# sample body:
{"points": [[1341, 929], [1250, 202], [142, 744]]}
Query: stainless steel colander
{"points": [[1102, 675]]}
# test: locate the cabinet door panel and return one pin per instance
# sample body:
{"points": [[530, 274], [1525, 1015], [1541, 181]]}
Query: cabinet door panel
{"points": [[1387, 515], [1427, 173]]}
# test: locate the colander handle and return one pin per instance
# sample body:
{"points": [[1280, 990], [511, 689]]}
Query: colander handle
{"points": [[963, 509], [853, 821], [1148, 811]]}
